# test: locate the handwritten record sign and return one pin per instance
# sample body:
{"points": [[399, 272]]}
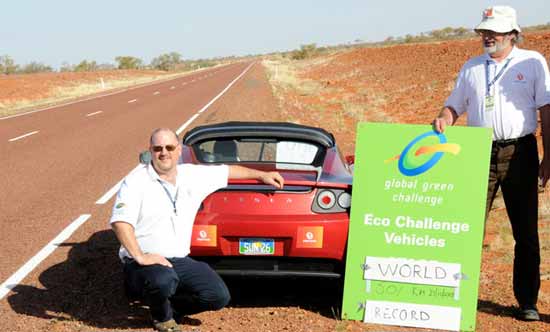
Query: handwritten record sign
{"points": [[416, 228]]}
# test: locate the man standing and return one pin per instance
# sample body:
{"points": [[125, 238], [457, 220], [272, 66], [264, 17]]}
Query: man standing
{"points": [[153, 219], [502, 90]]}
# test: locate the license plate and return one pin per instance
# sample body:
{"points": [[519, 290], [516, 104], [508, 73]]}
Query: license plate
{"points": [[256, 246]]}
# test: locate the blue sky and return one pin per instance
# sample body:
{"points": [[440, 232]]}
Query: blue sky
{"points": [[58, 31]]}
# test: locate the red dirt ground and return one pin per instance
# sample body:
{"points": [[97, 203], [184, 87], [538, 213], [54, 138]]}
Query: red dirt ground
{"points": [[44, 86]]}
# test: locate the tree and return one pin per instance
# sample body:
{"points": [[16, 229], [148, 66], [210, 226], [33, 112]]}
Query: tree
{"points": [[65, 67], [86, 66], [306, 51], [35, 67], [128, 62], [7, 65], [166, 61]]}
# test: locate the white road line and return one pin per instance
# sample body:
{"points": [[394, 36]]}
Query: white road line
{"points": [[224, 90], [94, 113], [90, 98], [156, 93], [180, 129], [23, 136], [107, 196], [20, 274], [132, 101]]}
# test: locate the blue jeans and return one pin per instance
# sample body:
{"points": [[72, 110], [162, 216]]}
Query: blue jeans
{"points": [[189, 287]]}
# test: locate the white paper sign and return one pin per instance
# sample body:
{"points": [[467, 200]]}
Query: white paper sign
{"points": [[415, 315], [412, 271], [295, 152]]}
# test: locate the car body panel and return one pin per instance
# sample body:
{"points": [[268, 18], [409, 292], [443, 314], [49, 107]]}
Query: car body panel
{"points": [[308, 239]]}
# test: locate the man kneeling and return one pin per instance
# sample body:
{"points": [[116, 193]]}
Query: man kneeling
{"points": [[153, 219]]}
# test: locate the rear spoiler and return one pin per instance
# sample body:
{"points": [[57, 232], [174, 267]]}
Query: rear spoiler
{"points": [[145, 158], [300, 167]]}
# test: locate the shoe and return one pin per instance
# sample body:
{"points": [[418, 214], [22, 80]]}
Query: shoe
{"points": [[185, 320], [168, 326], [528, 313]]}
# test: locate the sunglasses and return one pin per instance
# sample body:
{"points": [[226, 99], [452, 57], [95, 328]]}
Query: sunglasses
{"points": [[159, 148]]}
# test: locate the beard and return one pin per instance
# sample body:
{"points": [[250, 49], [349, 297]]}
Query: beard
{"points": [[497, 47]]}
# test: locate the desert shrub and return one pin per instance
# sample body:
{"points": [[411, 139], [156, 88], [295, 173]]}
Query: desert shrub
{"points": [[306, 51], [86, 66], [167, 61], [128, 62], [8, 65], [35, 67]]}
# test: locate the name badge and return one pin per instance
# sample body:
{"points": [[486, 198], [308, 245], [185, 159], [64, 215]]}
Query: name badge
{"points": [[489, 103]]}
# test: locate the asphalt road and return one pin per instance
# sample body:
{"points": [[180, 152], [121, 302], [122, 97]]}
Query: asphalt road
{"points": [[57, 163]]}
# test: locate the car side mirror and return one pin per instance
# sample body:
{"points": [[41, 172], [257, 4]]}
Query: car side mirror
{"points": [[145, 157]]}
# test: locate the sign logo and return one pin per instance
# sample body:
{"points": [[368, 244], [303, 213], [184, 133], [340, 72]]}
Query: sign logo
{"points": [[410, 165]]}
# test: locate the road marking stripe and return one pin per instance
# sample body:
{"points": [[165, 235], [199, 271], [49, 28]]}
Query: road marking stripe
{"points": [[156, 93], [94, 97], [23, 136], [205, 107], [224, 90], [107, 196], [132, 101], [94, 113], [187, 123], [20, 274]]}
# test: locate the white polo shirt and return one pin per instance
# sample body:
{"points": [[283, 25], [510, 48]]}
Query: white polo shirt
{"points": [[143, 203], [523, 87]]}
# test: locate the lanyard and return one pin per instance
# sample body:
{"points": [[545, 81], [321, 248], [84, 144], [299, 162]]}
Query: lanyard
{"points": [[173, 200], [490, 84]]}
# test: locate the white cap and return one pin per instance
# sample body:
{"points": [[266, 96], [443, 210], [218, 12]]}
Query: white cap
{"points": [[499, 19]]}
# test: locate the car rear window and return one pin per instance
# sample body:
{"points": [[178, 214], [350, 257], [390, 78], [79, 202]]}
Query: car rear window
{"points": [[256, 150]]}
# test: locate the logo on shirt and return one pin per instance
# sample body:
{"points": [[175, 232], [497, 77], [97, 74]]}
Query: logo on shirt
{"points": [[120, 205], [423, 152], [520, 78]]}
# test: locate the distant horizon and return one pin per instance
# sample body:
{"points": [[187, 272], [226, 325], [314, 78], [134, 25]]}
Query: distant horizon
{"points": [[355, 42], [62, 32]]}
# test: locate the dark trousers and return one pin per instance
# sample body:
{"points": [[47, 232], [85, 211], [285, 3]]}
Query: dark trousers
{"points": [[514, 167], [188, 288]]}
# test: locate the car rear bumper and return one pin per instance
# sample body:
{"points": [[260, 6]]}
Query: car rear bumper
{"points": [[274, 266]]}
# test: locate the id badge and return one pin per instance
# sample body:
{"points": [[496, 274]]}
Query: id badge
{"points": [[489, 103]]}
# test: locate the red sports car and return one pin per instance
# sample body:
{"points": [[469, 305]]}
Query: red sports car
{"points": [[252, 229]]}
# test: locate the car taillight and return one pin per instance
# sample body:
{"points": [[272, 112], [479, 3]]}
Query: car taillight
{"points": [[326, 199], [331, 201], [344, 200]]}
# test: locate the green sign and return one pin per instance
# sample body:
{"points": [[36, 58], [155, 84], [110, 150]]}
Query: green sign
{"points": [[416, 229]]}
